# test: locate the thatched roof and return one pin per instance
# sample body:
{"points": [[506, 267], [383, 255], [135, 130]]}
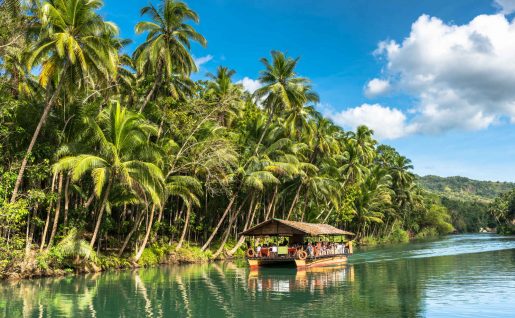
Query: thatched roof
{"points": [[278, 227]]}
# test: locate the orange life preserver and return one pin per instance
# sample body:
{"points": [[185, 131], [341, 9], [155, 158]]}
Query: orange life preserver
{"points": [[302, 254], [251, 253]]}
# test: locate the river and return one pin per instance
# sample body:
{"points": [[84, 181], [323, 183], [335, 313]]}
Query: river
{"points": [[458, 276]]}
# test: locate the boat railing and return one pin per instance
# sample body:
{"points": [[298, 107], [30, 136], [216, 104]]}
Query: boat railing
{"points": [[293, 253]]}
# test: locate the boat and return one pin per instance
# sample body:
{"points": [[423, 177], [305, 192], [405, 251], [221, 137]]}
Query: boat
{"points": [[324, 250]]}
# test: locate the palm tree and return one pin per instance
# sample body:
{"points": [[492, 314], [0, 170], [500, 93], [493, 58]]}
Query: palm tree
{"points": [[282, 89], [166, 50], [188, 189], [364, 144], [72, 51], [125, 157], [373, 201], [225, 94], [353, 170]]}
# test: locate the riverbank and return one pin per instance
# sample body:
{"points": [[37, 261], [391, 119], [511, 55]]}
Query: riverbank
{"points": [[52, 263]]}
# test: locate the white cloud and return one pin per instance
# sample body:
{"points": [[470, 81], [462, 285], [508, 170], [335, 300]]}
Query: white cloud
{"points": [[462, 76], [249, 84], [387, 123], [377, 87], [507, 6], [199, 61]]}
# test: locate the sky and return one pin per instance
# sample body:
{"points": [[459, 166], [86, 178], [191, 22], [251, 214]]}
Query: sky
{"points": [[433, 78]]}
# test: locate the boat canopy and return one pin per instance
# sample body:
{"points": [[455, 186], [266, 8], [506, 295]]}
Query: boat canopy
{"points": [[278, 227]]}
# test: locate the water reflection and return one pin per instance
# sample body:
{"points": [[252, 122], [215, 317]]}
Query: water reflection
{"points": [[290, 280], [400, 285]]}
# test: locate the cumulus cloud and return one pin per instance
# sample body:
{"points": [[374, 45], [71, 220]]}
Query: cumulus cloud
{"points": [[249, 84], [462, 76], [377, 87], [507, 6], [387, 123], [199, 61]]}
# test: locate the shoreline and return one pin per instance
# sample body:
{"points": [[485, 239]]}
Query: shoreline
{"points": [[30, 269]]}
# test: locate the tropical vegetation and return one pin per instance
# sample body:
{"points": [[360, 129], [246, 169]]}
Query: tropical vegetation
{"points": [[117, 159]]}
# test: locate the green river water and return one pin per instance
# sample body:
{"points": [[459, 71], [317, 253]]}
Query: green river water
{"points": [[457, 276]]}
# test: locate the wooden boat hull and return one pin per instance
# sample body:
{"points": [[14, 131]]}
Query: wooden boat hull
{"points": [[306, 263]]}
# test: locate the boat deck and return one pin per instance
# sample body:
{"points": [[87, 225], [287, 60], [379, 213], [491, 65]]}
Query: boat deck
{"points": [[320, 260]]}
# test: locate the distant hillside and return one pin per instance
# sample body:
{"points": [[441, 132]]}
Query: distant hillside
{"points": [[467, 200], [464, 187]]}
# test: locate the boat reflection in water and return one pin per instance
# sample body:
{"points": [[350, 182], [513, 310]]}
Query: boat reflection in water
{"points": [[289, 280]]}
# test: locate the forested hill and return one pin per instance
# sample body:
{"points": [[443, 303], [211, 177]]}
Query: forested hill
{"points": [[466, 200], [462, 187]]}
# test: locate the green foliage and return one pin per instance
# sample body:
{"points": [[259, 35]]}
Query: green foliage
{"points": [[503, 210], [398, 235], [465, 188], [137, 158], [428, 232], [113, 262]]}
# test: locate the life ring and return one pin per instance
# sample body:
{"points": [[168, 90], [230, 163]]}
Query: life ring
{"points": [[251, 253], [302, 255]]}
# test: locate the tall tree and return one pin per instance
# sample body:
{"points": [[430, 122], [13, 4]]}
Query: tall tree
{"points": [[166, 50], [72, 51], [282, 88], [121, 156]]}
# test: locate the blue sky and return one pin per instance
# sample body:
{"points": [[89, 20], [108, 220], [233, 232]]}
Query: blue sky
{"points": [[431, 77]]}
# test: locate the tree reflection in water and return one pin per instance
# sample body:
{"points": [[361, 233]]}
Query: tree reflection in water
{"points": [[406, 287]]}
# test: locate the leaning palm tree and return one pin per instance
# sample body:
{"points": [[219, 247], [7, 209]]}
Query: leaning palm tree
{"points": [[188, 189], [123, 156], [73, 51], [166, 50]]}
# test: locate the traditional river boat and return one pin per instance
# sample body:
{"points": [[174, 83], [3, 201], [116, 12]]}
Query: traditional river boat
{"points": [[303, 244]]}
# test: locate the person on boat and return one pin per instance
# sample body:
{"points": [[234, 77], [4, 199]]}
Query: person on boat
{"points": [[273, 250], [309, 249], [340, 249], [258, 250], [264, 251], [318, 248]]}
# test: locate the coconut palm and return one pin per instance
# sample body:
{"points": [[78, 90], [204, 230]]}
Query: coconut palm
{"points": [[123, 156], [374, 200], [72, 51], [364, 144], [227, 96], [166, 50], [282, 88]]}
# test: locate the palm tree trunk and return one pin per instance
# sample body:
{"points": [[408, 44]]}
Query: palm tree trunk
{"points": [[147, 235], [268, 122], [248, 224], [185, 229], [295, 199], [90, 200], [271, 204], [30, 230], [100, 214], [205, 246], [47, 221], [228, 231], [66, 200], [41, 123], [152, 91], [136, 226], [57, 211], [159, 217]]}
